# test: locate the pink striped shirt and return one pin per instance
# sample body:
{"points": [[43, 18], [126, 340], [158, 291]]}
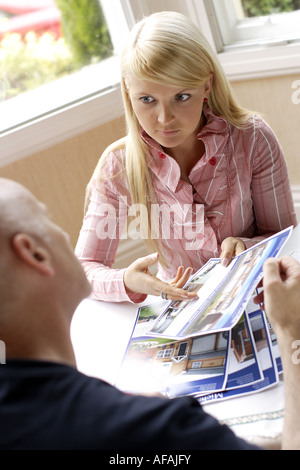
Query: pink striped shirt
{"points": [[240, 187]]}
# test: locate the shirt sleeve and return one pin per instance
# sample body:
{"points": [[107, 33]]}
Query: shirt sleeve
{"points": [[270, 188], [98, 241]]}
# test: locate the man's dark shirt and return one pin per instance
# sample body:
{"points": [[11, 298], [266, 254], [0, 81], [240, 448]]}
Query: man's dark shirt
{"points": [[44, 405]]}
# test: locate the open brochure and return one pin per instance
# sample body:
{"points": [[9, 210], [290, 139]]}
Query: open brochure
{"points": [[215, 347]]}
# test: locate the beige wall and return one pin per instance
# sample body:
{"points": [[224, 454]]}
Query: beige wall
{"points": [[273, 98], [58, 175]]}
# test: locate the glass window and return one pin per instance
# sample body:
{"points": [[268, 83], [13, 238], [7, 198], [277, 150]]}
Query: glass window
{"points": [[196, 365], [238, 23], [164, 353], [44, 103], [53, 52]]}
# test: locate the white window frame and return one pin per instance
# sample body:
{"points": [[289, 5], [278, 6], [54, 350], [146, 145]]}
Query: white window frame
{"points": [[197, 364], [68, 106], [103, 102], [248, 60], [234, 31], [164, 353]]}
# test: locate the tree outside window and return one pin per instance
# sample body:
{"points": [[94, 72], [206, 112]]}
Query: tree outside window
{"points": [[267, 7], [48, 39]]}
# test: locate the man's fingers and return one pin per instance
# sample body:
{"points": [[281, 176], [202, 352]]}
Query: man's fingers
{"points": [[271, 272]]}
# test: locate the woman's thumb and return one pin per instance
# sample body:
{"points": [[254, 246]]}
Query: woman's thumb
{"points": [[148, 260]]}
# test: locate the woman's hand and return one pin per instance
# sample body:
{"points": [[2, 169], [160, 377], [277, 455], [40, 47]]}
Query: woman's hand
{"points": [[231, 247], [138, 279]]}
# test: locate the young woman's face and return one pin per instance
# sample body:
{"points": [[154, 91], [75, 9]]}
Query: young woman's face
{"points": [[170, 115]]}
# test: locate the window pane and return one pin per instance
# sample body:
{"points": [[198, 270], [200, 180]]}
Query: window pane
{"points": [[43, 40], [267, 7], [254, 22], [56, 53]]}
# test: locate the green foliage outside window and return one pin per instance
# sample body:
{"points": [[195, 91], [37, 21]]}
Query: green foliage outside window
{"points": [[31, 61], [266, 7], [26, 63], [85, 30]]}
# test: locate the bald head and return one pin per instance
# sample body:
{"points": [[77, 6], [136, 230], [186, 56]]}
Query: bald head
{"points": [[31, 242], [18, 209], [18, 214], [41, 280]]}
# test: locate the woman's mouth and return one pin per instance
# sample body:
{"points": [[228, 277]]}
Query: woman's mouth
{"points": [[167, 133]]}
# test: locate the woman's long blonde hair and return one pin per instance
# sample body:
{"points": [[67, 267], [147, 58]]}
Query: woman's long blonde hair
{"points": [[167, 48]]}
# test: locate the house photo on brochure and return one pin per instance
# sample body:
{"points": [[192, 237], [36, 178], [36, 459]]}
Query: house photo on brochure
{"points": [[217, 346]]}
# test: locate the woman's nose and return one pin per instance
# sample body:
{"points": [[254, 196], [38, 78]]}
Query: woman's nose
{"points": [[166, 114]]}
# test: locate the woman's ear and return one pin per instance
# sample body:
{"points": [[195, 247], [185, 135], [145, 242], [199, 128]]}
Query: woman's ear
{"points": [[208, 84], [32, 253]]}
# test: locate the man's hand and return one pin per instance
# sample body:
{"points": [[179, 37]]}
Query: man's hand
{"points": [[281, 295]]}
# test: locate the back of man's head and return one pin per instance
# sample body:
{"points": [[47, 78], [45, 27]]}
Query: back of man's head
{"points": [[16, 216], [41, 281], [17, 209]]}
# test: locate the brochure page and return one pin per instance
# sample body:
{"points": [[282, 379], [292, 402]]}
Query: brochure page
{"points": [[215, 347]]}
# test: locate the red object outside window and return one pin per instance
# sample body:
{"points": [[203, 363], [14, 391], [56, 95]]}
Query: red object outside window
{"points": [[37, 15]]}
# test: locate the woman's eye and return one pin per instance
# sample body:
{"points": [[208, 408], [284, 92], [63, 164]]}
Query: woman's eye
{"points": [[183, 97], [147, 99]]}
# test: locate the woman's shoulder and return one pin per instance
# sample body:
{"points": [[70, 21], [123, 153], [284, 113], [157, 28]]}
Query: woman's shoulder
{"points": [[117, 145], [258, 123], [264, 134], [110, 175], [113, 159], [257, 130], [116, 149]]}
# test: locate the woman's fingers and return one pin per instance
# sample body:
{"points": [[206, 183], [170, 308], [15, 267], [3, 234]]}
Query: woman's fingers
{"points": [[182, 277], [137, 278], [231, 247]]}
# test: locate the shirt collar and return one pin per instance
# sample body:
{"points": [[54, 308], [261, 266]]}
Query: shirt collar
{"points": [[214, 124], [163, 165], [214, 135]]}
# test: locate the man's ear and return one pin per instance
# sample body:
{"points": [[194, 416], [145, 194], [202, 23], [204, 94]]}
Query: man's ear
{"points": [[32, 253]]}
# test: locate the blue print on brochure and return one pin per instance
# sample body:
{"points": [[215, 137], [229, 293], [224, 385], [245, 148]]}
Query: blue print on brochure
{"points": [[239, 285], [243, 364], [206, 371], [265, 357]]}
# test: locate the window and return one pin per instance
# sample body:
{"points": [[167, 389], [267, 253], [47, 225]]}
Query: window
{"points": [[245, 23], [182, 349], [73, 104], [196, 365], [90, 97], [256, 46], [165, 353], [46, 53]]}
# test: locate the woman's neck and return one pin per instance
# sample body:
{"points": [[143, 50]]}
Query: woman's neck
{"points": [[189, 152], [187, 157]]}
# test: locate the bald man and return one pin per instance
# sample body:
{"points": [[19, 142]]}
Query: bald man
{"points": [[45, 403]]}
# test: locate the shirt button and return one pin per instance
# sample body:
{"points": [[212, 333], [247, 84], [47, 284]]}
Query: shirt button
{"points": [[213, 161], [162, 155]]}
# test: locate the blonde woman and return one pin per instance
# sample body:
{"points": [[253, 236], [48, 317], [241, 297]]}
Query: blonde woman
{"points": [[196, 177]]}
